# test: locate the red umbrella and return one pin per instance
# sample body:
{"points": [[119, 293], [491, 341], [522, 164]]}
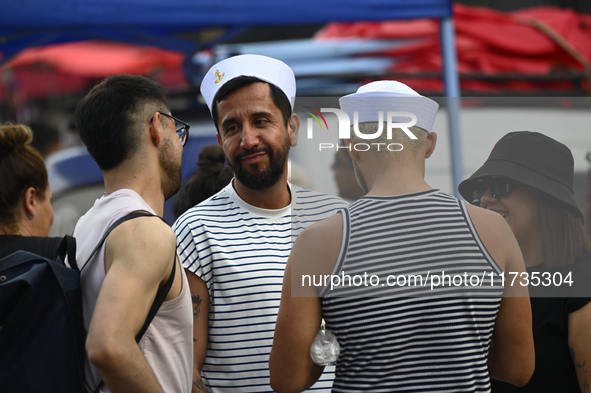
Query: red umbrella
{"points": [[73, 67]]}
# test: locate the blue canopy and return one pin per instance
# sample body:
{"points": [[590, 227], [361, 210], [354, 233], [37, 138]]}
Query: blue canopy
{"points": [[25, 23], [177, 15]]}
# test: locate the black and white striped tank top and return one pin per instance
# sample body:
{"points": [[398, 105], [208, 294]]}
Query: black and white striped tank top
{"points": [[410, 337]]}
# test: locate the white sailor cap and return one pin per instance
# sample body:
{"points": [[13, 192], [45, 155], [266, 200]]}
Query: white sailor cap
{"points": [[265, 68], [389, 96]]}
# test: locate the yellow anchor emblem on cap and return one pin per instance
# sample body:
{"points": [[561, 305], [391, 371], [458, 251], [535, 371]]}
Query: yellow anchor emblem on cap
{"points": [[219, 76]]}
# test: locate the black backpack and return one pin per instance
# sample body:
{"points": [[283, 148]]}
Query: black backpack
{"points": [[42, 335]]}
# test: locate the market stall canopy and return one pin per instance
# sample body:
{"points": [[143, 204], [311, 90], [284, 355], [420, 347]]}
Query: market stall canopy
{"points": [[29, 23], [72, 67], [535, 42]]}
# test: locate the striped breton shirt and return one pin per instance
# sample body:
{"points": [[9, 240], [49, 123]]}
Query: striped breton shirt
{"points": [[240, 252], [407, 337]]}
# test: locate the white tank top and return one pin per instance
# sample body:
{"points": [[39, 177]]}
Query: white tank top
{"points": [[167, 344]]}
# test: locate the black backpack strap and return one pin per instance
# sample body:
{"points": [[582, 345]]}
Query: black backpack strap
{"points": [[160, 296], [162, 292], [68, 247]]}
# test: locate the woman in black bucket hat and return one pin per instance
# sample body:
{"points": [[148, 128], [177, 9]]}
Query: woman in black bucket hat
{"points": [[528, 179]]}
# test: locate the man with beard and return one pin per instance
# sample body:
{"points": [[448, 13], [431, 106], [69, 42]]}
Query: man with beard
{"points": [[235, 245], [126, 124]]}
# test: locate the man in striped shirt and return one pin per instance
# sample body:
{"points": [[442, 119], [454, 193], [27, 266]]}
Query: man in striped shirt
{"points": [[401, 329], [235, 245]]}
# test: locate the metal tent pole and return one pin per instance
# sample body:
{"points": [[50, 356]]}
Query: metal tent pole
{"points": [[452, 92]]}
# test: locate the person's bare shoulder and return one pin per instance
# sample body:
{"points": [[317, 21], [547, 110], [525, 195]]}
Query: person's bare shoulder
{"points": [[322, 233], [495, 233], [142, 240], [488, 217], [317, 247]]}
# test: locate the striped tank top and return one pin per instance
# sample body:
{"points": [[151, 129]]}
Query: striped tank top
{"points": [[405, 330]]}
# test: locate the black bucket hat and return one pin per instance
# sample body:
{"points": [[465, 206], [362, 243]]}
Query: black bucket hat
{"points": [[532, 159]]}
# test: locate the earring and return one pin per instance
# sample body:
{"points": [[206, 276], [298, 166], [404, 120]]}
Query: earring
{"points": [[31, 216]]}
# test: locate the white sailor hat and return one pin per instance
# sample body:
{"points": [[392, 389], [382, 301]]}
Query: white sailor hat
{"points": [[389, 96], [265, 68]]}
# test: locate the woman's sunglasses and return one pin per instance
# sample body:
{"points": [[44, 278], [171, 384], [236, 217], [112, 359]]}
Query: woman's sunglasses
{"points": [[498, 186]]}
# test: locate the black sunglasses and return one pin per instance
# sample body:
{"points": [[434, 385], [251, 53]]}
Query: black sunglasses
{"points": [[182, 131], [498, 186]]}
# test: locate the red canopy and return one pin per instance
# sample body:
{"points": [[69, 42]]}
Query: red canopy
{"points": [[531, 42], [75, 66]]}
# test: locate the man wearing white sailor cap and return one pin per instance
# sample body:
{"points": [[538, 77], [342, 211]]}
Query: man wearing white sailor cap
{"points": [[235, 245], [396, 334]]}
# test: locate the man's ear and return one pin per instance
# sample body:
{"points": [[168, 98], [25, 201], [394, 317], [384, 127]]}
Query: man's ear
{"points": [[156, 129], [354, 154], [293, 127], [430, 143]]}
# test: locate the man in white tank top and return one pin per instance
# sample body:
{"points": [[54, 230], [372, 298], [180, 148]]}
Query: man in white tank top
{"points": [[410, 338], [126, 124]]}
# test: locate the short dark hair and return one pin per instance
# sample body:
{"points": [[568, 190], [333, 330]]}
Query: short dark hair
{"points": [[109, 117], [564, 240], [277, 95], [213, 175], [45, 137], [21, 167]]}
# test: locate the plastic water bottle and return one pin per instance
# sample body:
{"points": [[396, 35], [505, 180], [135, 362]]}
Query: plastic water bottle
{"points": [[325, 348]]}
